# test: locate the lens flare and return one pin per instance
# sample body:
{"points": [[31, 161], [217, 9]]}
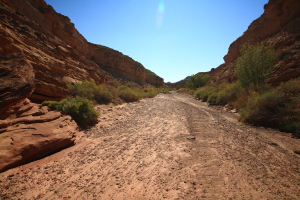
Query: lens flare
{"points": [[161, 7], [160, 12]]}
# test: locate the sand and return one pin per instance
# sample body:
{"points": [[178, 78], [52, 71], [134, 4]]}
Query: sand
{"points": [[168, 147]]}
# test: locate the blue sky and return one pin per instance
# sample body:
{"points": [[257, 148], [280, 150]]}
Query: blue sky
{"points": [[172, 38]]}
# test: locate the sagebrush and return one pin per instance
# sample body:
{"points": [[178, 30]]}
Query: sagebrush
{"points": [[80, 109]]}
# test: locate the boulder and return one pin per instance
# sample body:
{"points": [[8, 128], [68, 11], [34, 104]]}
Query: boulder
{"points": [[31, 132]]}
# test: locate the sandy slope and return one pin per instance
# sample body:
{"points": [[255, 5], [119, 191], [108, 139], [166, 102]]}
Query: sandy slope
{"points": [[145, 151]]}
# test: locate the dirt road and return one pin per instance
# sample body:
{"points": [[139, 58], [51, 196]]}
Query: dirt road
{"points": [[168, 147]]}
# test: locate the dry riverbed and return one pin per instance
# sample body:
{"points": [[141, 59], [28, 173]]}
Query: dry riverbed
{"points": [[168, 147]]}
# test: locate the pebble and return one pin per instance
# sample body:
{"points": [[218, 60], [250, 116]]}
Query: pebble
{"points": [[191, 138]]}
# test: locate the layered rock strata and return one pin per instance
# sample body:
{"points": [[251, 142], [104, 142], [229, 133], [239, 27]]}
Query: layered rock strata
{"points": [[31, 131], [40, 53], [279, 28], [58, 52]]}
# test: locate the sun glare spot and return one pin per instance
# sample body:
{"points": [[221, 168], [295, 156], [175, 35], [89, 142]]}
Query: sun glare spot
{"points": [[160, 12]]}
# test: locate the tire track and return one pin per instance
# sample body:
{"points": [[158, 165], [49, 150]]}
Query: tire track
{"points": [[145, 151]]}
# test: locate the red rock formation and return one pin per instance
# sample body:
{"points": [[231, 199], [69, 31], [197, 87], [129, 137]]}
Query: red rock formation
{"points": [[278, 27], [153, 79], [16, 81], [57, 49], [30, 132], [41, 52]]}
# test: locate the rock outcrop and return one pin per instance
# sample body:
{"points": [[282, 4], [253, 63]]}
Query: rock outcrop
{"points": [[31, 131], [40, 53], [58, 52], [153, 79], [278, 27], [17, 80]]}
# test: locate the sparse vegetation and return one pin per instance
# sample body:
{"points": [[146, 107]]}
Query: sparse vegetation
{"points": [[196, 81], [229, 93], [80, 106], [204, 93], [255, 65], [264, 109], [80, 109], [128, 94], [273, 107], [256, 102], [91, 91], [186, 90]]}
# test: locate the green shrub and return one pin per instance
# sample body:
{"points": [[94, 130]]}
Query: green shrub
{"points": [[292, 127], [80, 109], [83, 89], [102, 95], [264, 109], [163, 90], [128, 94], [196, 81], [212, 99], [91, 91], [290, 88], [149, 93], [204, 93], [229, 94], [255, 65]]}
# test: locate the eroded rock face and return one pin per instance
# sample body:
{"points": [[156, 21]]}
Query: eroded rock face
{"points": [[41, 52], [56, 49], [16, 82], [278, 27], [31, 131]]}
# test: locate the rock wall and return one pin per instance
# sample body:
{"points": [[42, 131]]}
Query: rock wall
{"points": [[278, 27], [153, 79], [27, 130], [40, 53], [58, 52]]}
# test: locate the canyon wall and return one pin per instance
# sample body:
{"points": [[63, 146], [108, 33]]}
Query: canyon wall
{"points": [[58, 53], [279, 28], [40, 53]]}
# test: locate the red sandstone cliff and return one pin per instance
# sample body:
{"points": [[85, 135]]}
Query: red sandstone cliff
{"points": [[58, 52], [279, 28], [40, 52]]}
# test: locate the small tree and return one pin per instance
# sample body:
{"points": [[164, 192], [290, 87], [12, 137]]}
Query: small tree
{"points": [[255, 65], [198, 80]]}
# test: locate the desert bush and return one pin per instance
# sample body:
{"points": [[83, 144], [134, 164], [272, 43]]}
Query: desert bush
{"points": [[255, 65], [196, 81], [212, 99], [242, 99], [292, 127], [163, 90], [102, 95], [291, 116], [91, 91], [128, 94], [186, 90], [149, 93], [182, 90], [204, 93], [229, 93], [83, 89], [290, 88], [264, 109], [80, 109]]}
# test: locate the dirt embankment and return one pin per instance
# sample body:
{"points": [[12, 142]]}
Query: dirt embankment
{"points": [[168, 147]]}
